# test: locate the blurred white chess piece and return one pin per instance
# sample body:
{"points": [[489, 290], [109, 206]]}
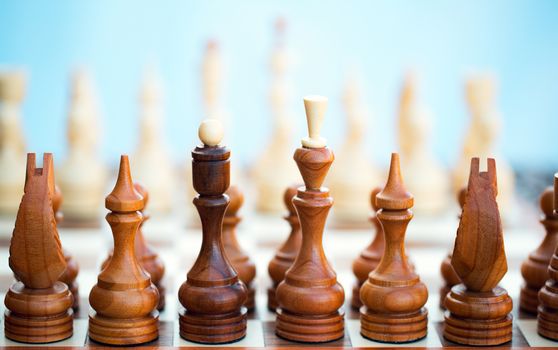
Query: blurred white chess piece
{"points": [[12, 144], [152, 166], [428, 181]]}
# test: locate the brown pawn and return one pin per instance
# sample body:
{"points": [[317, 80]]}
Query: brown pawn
{"points": [[370, 257], [287, 253], [124, 300], [212, 295], [147, 257], [478, 310], [547, 320], [309, 298], [448, 273], [245, 268], [72, 268], [393, 295], [535, 268], [38, 306]]}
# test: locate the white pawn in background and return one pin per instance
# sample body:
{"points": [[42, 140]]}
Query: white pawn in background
{"points": [[481, 139], [152, 166], [429, 182], [12, 141], [353, 176], [274, 169], [82, 177]]}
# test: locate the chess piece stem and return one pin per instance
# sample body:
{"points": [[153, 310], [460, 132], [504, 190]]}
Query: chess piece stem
{"points": [[287, 253], [393, 296], [212, 296], [124, 300]]}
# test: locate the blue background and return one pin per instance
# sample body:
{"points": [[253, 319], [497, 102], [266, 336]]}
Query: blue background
{"points": [[442, 40]]}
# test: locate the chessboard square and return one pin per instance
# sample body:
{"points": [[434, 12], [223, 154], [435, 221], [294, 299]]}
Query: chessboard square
{"points": [[529, 330], [430, 341], [76, 340], [254, 337]]}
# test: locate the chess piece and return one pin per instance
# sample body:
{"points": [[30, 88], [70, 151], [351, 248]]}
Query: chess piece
{"points": [[535, 268], [448, 273], [393, 296], [370, 257], [212, 296], [152, 166], [429, 183], [274, 170], [124, 301], [12, 144], [353, 175], [145, 255], [481, 138], [244, 267], [72, 268], [478, 310], [547, 320], [309, 298], [38, 306], [287, 253], [82, 176]]}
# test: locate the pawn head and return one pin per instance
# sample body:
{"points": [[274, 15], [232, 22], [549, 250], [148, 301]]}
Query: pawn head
{"points": [[211, 132]]}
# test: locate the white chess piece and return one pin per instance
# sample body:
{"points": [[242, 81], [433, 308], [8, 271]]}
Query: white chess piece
{"points": [[82, 176], [429, 182], [353, 176], [151, 164], [274, 169], [481, 138], [12, 144]]}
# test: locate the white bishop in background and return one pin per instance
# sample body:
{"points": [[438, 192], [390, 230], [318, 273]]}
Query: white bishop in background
{"points": [[428, 181], [82, 176], [275, 170], [481, 137], [12, 144], [353, 176], [151, 164]]}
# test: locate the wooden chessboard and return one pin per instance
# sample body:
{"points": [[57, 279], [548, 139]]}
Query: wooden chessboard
{"points": [[428, 243]]}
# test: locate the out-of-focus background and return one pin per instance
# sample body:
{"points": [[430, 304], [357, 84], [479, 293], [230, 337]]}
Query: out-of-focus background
{"points": [[377, 40]]}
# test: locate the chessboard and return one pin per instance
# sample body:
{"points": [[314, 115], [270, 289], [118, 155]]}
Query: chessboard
{"points": [[429, 240]]}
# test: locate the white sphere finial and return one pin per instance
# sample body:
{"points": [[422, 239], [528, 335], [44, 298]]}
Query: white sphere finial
{"points": [[211, 132], [316, 107]]}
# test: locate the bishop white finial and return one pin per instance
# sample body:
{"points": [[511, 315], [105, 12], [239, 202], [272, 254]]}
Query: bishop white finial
{"points": [[315, 110], [211, 132]]}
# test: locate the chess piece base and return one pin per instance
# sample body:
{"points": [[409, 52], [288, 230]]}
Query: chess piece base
{"points": [[355, 300], [271, 301], [250, 303], [478, 318], [310, 329], [394, 328], [213, 329], [38, 315], [547, 323], [529, 299], [123, 331]]}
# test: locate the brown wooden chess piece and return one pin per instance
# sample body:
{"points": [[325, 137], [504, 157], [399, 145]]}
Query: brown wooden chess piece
{"points": [[309, 298], [478, 310], [547, 320], [124, 300], [448, 273], [145, 255], [535, 268], [38, 306], [212, 296], [245, 268], [287, 253], [72, 268], [393, 296], [370, 257]]}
